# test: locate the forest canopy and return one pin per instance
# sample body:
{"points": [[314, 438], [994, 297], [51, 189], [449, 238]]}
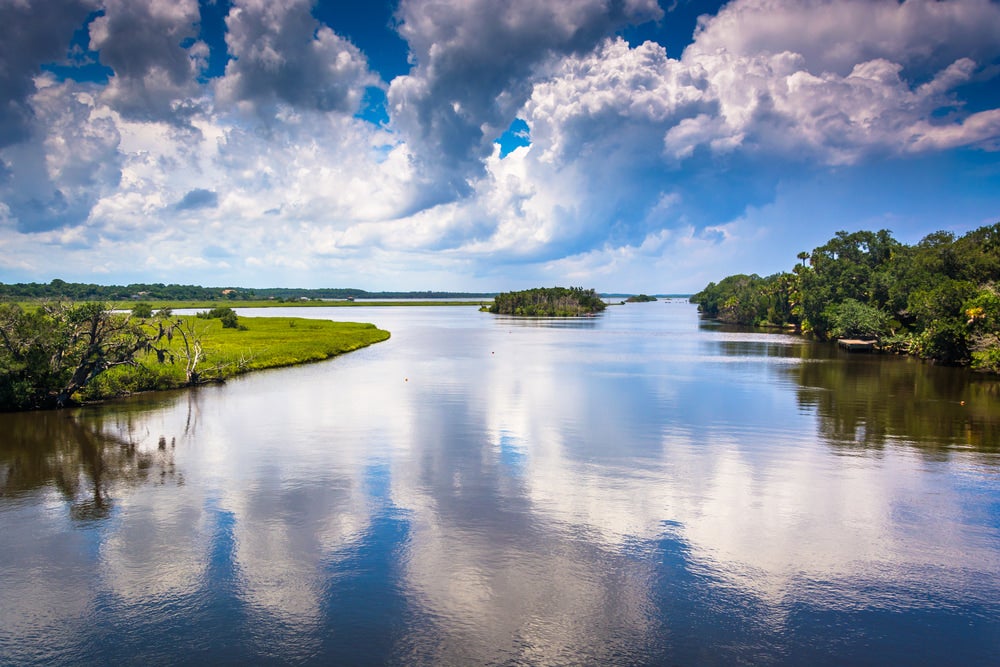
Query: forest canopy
{"points": [[938, 299]]}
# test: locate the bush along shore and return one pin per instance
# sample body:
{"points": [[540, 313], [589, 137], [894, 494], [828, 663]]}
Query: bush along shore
{"points": [[58, 355], [548, 302], [938, 299]]}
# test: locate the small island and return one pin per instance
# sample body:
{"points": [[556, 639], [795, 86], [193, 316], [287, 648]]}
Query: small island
{"points": [[640, 298], [548, 302]]}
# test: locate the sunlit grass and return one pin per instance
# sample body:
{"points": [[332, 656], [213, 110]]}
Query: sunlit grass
{"points": [[261, 342]]}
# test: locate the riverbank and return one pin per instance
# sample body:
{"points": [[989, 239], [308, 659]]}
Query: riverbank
{"points": [[220, 353], [935, 300]]}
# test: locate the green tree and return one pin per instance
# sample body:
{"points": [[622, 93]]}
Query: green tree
{"points": [[943, 301], [983, 313], [854, 319], [49, 353], [736, 299], [849, 266]]}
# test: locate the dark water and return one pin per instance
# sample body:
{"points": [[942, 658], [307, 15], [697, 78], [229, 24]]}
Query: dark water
{"points": [[630, 489]]}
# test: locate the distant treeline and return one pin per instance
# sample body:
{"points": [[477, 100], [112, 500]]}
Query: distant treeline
{"points": [[937, 299], [59, 289], [548, 302]]}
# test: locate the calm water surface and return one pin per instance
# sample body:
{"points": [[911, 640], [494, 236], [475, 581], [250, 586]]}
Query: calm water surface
{"points": [[637, 488]]}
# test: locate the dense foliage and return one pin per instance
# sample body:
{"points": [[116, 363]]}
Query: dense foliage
{"points": [[548, 302], [640, 298], [49, 353], [939, 299], [59, 289]]}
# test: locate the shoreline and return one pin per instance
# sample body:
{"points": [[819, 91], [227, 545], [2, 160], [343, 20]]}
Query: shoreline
{"points": [[266, 343], [851, 346]]}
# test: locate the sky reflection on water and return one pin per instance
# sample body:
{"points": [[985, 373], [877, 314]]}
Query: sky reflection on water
{"points": [[641, 490]]}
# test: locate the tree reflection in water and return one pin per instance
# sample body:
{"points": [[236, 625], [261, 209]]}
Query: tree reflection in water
{"points": [[870, 401], [89, 456]]}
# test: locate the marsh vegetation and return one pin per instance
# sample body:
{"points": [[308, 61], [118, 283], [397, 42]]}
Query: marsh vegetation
{"points": [[61, 354]]}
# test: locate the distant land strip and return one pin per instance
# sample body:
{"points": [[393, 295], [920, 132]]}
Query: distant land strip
{"points": [[161, 295]]}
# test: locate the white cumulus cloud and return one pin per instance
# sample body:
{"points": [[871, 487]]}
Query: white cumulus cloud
{"points": [[637, 163]]}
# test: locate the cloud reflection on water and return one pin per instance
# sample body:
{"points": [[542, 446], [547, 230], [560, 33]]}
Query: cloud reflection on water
{"points": [[469, 492]]}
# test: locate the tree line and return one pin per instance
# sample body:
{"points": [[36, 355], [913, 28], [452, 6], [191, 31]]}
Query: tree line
{"points": [[60, 289], [938, 299], [548, 302]]}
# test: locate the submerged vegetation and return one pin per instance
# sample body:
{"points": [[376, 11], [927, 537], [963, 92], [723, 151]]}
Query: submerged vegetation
{"points": [[59, 354], [548, 302], [938, 299]]}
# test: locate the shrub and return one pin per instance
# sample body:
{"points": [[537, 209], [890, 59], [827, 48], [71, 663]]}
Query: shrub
{"points": [[142, 310], [944, 340], [229, 320], [987, 360], [224, 313]]}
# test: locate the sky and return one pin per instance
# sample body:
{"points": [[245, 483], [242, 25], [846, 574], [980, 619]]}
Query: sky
{"points": [[477, 145]]}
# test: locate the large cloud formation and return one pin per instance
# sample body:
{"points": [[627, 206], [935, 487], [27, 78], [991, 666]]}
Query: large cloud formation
{"points": [[475, 62], [282, 54], [639, 164], [142, 42], [25, 43]]}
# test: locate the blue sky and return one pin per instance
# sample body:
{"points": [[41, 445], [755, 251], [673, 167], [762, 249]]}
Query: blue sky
{"points": [[627, 145]]}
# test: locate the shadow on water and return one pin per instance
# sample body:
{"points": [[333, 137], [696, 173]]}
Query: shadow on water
{"points": [[88, 456]]}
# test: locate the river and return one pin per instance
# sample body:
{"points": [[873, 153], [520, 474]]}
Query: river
{"points": [[636, 488]]}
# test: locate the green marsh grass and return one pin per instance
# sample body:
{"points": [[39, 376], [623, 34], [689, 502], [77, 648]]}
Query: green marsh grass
{"points": [[262, 342]]}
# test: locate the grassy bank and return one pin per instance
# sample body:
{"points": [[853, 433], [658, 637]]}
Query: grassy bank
{"points": [[265, 342]]}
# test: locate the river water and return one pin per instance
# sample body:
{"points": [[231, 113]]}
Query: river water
{"points": [[636, 488]]}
